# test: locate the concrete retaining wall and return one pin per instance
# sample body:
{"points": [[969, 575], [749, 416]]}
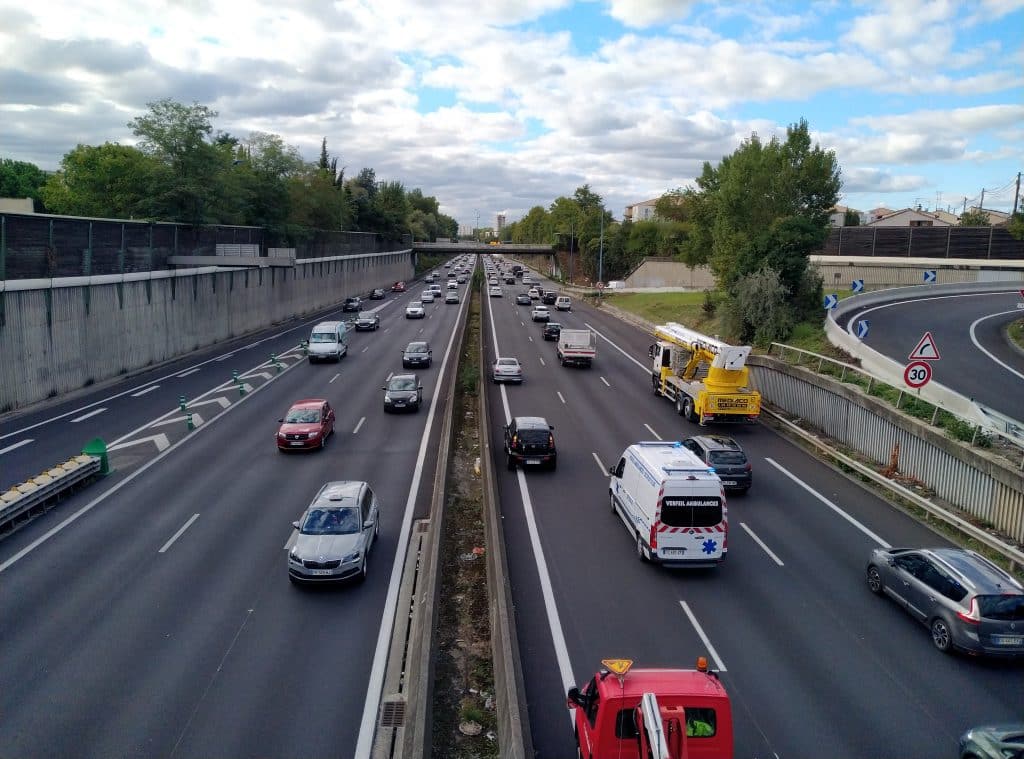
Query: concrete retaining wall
{"points": [[62, 334], [655, 273]]}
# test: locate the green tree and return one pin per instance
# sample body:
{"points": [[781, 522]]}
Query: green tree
{"points": [[851, 218], [109, 180], [535, 227], [758, 312], [392, 208], [20, 179], [975, 217], [1016, 226]]}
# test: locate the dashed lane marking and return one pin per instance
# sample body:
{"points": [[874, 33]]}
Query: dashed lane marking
{"points": [[92, 413]]}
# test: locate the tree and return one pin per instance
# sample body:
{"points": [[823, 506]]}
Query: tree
{"points": [[20, 179], [975, 217], [851, 218], [1016, 226], [109, 180], [757, 312]]}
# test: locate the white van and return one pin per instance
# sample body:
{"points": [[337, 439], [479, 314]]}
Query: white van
{"points": [[672, 504], [562, 303], [328, 340]]}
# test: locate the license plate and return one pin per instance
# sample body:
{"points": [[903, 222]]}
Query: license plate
{"points": [[321, 572], [1008, 640], [295, 442], [533, 461], [672, 551], [399, 404], [728, 482]]}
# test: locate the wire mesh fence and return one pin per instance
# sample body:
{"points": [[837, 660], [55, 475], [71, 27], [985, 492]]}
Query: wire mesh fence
{"points": [[980, 243]]}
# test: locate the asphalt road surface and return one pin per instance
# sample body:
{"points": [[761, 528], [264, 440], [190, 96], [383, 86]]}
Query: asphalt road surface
{"points": [[814, 663], [151, 614]]}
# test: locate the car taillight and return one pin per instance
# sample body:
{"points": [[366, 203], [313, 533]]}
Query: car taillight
{"points": [[515, 441], [973, 616], [747, 466], [551, 441], [654, 538]]}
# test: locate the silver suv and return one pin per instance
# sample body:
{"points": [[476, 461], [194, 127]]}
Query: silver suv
{"points": [[334, 534], [966, 601]]}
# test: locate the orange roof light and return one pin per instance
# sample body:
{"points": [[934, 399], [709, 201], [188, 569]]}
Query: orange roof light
{"points": [[702, 664]]}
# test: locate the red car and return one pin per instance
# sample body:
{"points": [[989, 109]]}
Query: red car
{"points": [[307, 424], [398, 287]]}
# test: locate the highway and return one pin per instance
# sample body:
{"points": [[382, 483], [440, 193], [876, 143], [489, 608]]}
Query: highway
{"points": [[975, 358], [151, 613], [815, 664]]}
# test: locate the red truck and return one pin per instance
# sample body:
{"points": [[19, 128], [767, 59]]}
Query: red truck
{"points": [[625, 713]]}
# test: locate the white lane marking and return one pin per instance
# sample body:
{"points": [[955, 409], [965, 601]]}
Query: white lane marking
{"points": [[761, 543], [605, 381], [542, 361], [137, 473], [254, 375], [16, 445], [196, 420], [178, 534], [386, 329], [365, 349], [363, 419], [388, 378], [185, 374], [651, 430], [984, 350], [554, 622], [530, 339], [645, 369], [333, 378], [149, 389], [160, 440], [602, 467], [560, 396], [92, 413], [219, 400], [225, 357], [859, 313], [719, 664], [827, 502], [374, 689]]}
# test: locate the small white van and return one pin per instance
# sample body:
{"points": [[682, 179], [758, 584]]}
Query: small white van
{"points": [[328, 341], [672, 504], [562, 303]]}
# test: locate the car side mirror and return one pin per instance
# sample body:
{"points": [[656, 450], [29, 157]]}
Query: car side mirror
{"points": [[420, 387], [573, 698], [295, 525], [551, 426], [611, 471], [383, 387], [368, 524], [280, 421]]}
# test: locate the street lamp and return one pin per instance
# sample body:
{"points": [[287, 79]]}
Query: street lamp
{"points": [[600, 252]]}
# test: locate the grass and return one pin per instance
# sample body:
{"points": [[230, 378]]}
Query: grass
{"points": [[1016, 333], [686, 308]]}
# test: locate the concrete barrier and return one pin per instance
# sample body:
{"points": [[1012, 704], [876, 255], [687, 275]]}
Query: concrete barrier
{"points": [[59, 335]]}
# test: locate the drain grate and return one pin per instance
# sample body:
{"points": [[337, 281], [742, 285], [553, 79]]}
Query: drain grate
{"points": [[423, 525], [392, 713]]}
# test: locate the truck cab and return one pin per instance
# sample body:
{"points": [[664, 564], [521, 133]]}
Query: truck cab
{"points": [[625, 713]]}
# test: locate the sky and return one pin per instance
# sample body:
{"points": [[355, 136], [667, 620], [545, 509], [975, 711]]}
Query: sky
{"points": [[496, 106]]}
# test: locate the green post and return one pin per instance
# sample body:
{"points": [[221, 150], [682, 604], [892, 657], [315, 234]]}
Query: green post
{"points": [[188, 422], [181, 402], [96, 447]]}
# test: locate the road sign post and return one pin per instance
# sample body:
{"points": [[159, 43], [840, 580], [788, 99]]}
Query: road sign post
{"points": [[831, 301], [929, 276], [917, 374], [857, 286], [862, 328]]}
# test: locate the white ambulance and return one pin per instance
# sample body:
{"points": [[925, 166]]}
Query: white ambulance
{"points": [[672, 504]]}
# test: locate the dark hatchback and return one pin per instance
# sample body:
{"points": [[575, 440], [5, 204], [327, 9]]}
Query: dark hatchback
{"points": [[417, 354], [552, 331], [725, 455], [529, 442]]}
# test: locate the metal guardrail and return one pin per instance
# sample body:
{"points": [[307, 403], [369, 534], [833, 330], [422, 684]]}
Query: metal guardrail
{"points": [[1008, 430], [32, 497]]}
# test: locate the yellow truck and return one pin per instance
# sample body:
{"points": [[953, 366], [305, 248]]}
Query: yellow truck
{"points": [[707, 379]]}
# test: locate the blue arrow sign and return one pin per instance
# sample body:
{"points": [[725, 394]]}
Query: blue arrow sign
{"points": [[857, 285], [831, 301], [929, 276], [862, 328]]}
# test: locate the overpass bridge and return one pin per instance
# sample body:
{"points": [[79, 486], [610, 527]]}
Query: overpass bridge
{"points": [[481, 247]]}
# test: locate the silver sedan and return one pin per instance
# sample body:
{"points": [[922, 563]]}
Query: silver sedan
{"points": [[507, 370], [335, 534]]}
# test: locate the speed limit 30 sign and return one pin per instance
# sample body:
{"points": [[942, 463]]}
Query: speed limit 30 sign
{"points": [[917, 374]]}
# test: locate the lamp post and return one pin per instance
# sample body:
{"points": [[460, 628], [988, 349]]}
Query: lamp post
{"points": [[600, 252]]}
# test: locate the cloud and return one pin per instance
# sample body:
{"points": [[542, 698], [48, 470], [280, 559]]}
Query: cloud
{"points": [[644, 13], [869, 179]]}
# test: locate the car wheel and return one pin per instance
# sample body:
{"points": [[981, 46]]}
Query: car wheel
{"points": [[510, 463], [362, 571], [553, 465], [323, 442], [941, 635], [655, 385], [376, 529], [679, 405], [640, 548], [875, 584], [688, 410]]}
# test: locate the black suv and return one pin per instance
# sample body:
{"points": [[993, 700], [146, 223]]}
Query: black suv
{"points": [[377, 294], [549, 298], [726, 456], [352, 304], [552, 331], [529, 442]]}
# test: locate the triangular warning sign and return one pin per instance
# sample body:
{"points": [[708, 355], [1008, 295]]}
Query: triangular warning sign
{"points": [[926, 349]]}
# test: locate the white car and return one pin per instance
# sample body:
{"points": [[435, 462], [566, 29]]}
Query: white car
{"points": [[494, 292], [507, 370], [414, 311], [534, 293], [540, 314], [427, 296]]}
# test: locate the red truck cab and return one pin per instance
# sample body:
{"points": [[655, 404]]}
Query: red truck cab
{"points": [[625, 713]]}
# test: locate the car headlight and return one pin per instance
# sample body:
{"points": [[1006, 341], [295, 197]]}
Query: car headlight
{"points": [[387, 397], [354, 556], [313, 434], [292, 556], [282, 435]]}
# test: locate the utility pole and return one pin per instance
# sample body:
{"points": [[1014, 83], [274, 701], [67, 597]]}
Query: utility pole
{"points": [[965, 206], [1016, 194], [981, 205], [600, 252]]}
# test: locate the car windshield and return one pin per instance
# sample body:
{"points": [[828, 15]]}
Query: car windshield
{"points": [[366, 315], [416, 348], [343, 521], [507, 362], [323, 337], [728, 457], [1008, 608], [402, 383], [302, 416]]}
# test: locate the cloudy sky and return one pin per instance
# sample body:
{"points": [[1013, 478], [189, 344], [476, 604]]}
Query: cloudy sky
{"points": [[500, 105]]}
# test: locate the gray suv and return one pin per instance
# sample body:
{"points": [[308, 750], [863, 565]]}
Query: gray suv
{"points": [[966, 601], [335, 534]]}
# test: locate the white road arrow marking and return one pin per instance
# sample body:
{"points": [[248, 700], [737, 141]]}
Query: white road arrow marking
{"points": [[159, 440], [196, 420], [16, 445], [219, 400], [254, 375]]}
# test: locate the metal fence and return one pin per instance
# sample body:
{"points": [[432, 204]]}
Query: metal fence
{"points": [[38, 246], [994, 243]]}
